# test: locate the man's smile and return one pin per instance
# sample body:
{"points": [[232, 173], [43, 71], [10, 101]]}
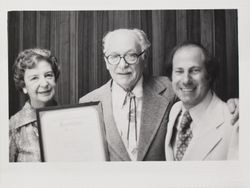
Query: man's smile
{"points": [[187, 89]]}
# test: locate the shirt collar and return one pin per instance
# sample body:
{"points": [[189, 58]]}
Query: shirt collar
{"points": [[119, 94], [197, 112], [25, 116]]}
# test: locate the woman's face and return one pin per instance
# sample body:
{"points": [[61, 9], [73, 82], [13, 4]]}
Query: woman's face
{"points": [[40, 84]]}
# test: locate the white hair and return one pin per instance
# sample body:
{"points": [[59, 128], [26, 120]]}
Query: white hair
{"points": [[141, 36]]}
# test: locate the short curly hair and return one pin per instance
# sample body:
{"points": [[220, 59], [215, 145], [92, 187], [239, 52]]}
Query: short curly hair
{"points": [[28, 59]]}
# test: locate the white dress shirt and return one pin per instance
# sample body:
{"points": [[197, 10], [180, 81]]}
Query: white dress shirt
{"points": [[121, 110], [196, 114]]}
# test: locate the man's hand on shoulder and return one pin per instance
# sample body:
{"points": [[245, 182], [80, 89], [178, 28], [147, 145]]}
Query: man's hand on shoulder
{"points": [[233, 106]]}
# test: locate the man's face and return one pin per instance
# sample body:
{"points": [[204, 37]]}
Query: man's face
{"points": [[123, 74], [189, 76]]}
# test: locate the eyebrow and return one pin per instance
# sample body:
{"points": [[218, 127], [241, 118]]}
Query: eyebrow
{"points": [[32, 75], [49, 71], [129, 51], [188, 68]]}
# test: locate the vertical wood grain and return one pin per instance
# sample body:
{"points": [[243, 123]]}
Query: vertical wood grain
{"points": [[207, 29], [54, 49], [29, 29], [63, 31], [21, 45], [232, 68], [102, 29], [43, 28], [94, 55], [220, 53], [75, 38], [193, 25], [146, 26], [14, 22], [181, 26], [84, 48], [73, 63], [164, 39]]}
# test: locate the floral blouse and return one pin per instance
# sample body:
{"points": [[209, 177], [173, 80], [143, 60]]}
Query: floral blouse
{"points": [[23, 136]]}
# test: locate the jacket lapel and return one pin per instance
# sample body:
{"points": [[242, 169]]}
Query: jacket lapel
{"points": [[113, 137], [208, 135], [153, 110], [175, 111], [201, 146]]}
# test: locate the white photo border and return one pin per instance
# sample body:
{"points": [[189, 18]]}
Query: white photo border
{"points": [[129, 174]]}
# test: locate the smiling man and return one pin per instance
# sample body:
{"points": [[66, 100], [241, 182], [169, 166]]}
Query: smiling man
{"points": [[199, 125], [135, 106]]}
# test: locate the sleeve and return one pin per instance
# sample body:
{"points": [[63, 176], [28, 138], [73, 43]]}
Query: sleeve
{"points": [[13, 149]]}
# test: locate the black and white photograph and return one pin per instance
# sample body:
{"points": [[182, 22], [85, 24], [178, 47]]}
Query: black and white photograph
{"points": [[149, 92], [107, 56]]}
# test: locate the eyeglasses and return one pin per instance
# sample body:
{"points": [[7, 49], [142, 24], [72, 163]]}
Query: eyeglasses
{"points": [[129, 58]]}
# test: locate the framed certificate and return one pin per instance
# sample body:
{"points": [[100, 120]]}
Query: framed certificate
{"points": [[72, 133]]}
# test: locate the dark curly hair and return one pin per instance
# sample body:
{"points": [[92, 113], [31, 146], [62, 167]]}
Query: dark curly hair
{"points": [[211, 64], [28, 59]]}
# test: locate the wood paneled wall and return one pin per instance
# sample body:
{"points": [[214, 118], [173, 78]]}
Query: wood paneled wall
{"points": [[75, 38]]}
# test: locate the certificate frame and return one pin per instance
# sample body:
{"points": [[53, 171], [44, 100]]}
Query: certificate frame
{"points": [[75, 146]]}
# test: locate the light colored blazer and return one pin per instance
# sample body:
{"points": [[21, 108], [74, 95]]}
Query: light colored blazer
{"points": [[158, 98], [217, 140]]}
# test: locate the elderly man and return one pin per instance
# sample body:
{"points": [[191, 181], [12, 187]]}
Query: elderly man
{"points": [[199, 125], [135, 107]]}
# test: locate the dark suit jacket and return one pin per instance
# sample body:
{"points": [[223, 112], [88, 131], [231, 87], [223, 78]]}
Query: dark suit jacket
{"points": [[158, 98]]}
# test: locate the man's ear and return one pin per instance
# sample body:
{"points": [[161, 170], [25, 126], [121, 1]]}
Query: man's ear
{"points": [[145, 55], [145, 60], [25, 90], [106, 62]]}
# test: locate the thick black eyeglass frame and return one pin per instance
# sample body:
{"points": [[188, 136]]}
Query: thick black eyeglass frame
{"points": [[138, 55]]}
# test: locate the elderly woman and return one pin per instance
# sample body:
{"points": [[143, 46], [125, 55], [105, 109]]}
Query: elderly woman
{"points": [[35, 74]]}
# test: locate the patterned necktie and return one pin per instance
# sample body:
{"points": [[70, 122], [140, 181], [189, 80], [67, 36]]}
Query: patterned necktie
{"points": [[184, 135], [132, 127]]}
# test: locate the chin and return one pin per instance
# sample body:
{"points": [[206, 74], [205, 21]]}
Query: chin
{"points": [[46, 99], [123, 84], [186, 100]]}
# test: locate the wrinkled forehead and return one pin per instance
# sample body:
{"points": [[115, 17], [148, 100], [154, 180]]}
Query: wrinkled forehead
{"points": [[122, 40], [189, 53]]}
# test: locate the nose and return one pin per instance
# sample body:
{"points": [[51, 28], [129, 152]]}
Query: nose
{"points": [[43, 82], [186, 78], [123, 63]]}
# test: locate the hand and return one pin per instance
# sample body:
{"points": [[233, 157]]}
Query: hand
{"points": [[233, 106]]}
